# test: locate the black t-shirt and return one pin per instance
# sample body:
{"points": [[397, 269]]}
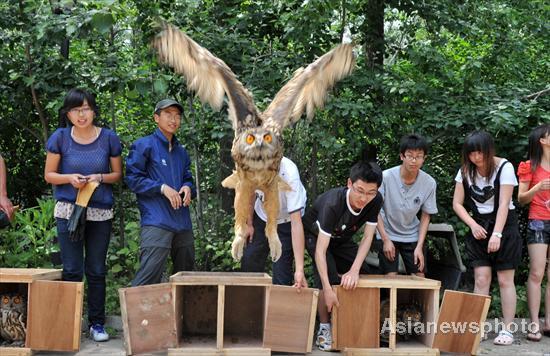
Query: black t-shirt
{"points": [[333, 215]]}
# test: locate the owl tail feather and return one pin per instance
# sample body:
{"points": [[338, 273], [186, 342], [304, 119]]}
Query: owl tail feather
{"points": [[231, 181]]}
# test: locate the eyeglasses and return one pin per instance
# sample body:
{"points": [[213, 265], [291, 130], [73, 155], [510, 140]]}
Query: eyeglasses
{"points": [[83, 111], [363, 193], [414, 158], [171, 117]]}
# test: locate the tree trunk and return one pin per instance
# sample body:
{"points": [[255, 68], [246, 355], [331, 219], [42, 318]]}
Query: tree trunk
{"points": [[226, 169], [373, 31]]}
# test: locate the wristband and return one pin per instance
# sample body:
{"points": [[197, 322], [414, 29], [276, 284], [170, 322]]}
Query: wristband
{"points": [[100, 178], [497, 234]]}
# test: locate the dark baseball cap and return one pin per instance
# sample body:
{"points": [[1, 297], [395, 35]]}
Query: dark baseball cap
{"points": [[163, 104]]}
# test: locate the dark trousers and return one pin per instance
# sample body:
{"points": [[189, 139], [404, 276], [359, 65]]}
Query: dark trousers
{"points": [[156, 245], [87, 256], [340, 255], [256, 252]]}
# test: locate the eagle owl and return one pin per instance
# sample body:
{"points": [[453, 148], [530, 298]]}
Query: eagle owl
{"points": [[257, 146], [13, 313]]}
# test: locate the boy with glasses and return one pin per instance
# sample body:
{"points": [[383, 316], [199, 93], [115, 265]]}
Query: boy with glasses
{"points": [[407, 190], [158, 171], [329, 226]]}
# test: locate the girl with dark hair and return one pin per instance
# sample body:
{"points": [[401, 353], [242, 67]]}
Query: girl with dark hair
{"points": [[77, 154], [484, 185], [534, 189]]}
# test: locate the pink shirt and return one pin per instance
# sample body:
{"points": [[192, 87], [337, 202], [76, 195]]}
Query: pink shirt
{"points": [[538, 209]]}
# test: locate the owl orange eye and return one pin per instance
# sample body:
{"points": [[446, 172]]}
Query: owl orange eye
{"points": [[268, 138], [250, 139], [16, 300], [5, 300]]}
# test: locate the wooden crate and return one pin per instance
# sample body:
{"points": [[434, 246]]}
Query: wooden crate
{"points": [[54, 309], [217, 313], [355, 331], [356, 323]]}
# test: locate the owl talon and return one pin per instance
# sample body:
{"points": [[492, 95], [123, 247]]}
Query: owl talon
{"points": [[275, 248], [237, 248]]}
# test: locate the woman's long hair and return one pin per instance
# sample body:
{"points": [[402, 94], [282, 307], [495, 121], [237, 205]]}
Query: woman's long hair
{"points": [[75, 98], [535, 148], [483, 142]]}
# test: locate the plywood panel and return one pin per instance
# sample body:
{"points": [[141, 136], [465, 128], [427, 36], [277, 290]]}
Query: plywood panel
{"points": [[397, 281], [461, 310], [148, 318], [221, 278], [385, 351], [290, 319], [243, 317], [15, 351], [214, 352], [27, 275], [54, 315], [356, 321]]}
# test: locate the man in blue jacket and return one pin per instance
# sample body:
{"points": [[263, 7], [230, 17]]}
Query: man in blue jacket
{"points": [[158, 171]]}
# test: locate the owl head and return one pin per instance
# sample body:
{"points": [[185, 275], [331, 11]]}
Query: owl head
{"points": [[12, 301], [258, 142]]}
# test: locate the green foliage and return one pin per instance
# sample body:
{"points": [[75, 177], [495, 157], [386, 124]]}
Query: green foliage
{"points": [[28, 243]]}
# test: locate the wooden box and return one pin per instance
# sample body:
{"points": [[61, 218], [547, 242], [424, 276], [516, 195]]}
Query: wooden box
{"points": [[358, 322], [54, 309], [218, 313]]}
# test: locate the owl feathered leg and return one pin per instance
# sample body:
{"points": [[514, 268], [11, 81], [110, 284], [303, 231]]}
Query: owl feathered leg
{"points": [[243, 192], [271, 206]]}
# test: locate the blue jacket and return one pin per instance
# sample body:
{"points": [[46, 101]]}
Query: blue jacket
{"points": [[149, 165]]}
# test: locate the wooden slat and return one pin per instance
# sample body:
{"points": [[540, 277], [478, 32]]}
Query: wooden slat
{"points": [[15, 351], [397, 281], [194, 352], [221, 309], [393, 318], [124, 317], [221, 278], [225, 352], [313, 317], [386, 351], [461, 309], [55, 315], [149, 319], [27, 275], [177, 292], [247, 351], [290, 319], [356, 321]]}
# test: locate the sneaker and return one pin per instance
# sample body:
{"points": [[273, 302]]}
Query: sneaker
{"points": [[98, 333], [324, 339]]}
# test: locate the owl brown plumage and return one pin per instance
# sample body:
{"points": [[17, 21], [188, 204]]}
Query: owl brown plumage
{"points": [[257, 147], [13, 318]]}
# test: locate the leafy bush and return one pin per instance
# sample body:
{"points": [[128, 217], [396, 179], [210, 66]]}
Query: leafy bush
{"points": [[29, 242]]}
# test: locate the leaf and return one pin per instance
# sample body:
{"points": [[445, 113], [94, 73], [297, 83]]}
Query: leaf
{"points": [[103, 22]]}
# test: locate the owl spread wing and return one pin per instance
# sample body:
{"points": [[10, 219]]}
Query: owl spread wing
{"points": [[207, 75], [308, 87]]}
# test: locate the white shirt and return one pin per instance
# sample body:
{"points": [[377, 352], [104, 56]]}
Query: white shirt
{"points": [[289, 202], [482, 191]]}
